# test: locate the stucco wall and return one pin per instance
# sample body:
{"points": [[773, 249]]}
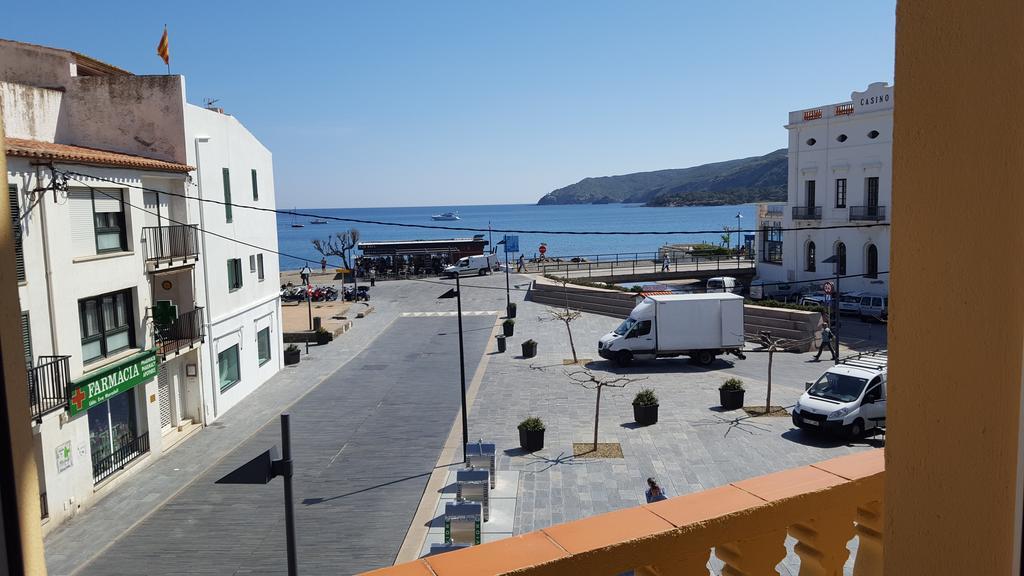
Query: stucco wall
{"points": [[956, 342], [35, 65], [29, 112]]}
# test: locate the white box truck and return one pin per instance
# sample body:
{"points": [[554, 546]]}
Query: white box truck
{"points": [[700, 326], [479, 265]]}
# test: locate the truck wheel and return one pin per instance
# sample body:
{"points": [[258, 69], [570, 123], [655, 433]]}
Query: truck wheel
{"points": [[704, 357], [623, 358], [856, 429], [481, 272]]}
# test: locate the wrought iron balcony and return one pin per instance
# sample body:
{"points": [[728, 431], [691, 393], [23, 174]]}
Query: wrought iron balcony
{"points": [[806, 212], [179, 335], [168, 246], [48, 385], [874, 213], [129, 449]]}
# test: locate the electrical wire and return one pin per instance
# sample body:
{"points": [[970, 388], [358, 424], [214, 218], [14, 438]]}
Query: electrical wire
{"points": [[464, 228]]}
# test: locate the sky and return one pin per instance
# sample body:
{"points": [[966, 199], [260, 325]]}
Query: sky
{"points": [[412, 103]]}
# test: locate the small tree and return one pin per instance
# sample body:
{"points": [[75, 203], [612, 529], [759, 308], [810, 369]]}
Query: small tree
{"points": [[771, 345], [726, 236], [566, 316], [586, 379], [339, 245]]}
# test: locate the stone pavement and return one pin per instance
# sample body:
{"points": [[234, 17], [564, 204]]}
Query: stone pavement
{"points": [[367, 434]]}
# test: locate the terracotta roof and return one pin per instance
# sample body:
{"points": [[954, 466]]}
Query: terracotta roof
{"points": [[82, 155]]}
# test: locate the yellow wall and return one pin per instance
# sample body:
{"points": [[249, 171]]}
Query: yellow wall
{"points": [[957, 323]]}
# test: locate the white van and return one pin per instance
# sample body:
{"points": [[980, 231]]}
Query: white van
{"points": [[478, 265], [723, 284], [849, 398], [874, 306]]}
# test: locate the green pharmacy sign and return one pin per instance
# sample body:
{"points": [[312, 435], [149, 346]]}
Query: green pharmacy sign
{"points": [[102, 385]]}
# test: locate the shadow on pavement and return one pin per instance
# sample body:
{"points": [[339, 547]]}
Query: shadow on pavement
{"points": [[660, 366], [821, 440]]}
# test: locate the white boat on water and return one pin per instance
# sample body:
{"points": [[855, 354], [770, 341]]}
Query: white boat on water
{"points": [[446, 216], [318, 221]]}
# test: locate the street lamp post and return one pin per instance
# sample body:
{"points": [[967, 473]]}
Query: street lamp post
{"points": [[304, 274], [462, 368], [738, 218]]}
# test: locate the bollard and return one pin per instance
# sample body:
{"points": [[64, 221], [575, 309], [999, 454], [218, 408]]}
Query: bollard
{"points": [[501, 342], [317, 322]]}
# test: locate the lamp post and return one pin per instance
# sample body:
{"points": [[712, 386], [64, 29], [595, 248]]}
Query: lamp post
{"points": [[457, 293], [738, 218], [304, 274]]}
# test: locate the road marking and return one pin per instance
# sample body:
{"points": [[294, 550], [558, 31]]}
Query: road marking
{"points": [[466, 313]]}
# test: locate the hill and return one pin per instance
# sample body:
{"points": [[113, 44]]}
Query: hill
{"points": [[754, 179]]}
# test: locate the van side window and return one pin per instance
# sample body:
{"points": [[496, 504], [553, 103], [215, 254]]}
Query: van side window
{"points": [[874, 393], [643, 328]]}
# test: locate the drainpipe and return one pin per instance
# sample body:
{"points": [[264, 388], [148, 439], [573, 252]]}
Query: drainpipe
{"points": [[206, 283], [47, 267]]}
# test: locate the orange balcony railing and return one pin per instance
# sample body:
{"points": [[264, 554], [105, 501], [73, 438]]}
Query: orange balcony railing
{"points": [[744, 524]]}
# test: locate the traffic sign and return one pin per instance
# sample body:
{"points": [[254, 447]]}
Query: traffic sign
{"points": [[511, 243], [829, 287], [543, 248]]}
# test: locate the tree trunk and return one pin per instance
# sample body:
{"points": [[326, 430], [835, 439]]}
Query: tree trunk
{"points": [[571, 345], [597, 416], [768, 401]]}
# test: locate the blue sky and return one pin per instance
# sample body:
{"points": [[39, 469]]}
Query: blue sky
{"points": [[385, 103]]}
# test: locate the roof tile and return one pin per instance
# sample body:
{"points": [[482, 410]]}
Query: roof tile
{"points": [[82, 155]]}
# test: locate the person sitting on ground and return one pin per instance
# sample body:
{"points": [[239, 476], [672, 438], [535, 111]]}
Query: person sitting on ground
{"points": [[654, 492]]}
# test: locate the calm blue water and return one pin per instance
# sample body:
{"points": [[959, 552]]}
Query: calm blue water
{"points": [[600, 217]]}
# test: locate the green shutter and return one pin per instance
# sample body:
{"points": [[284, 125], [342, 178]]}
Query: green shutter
{"points": [[227, 195], [26, 338], [231, 274], [19, 254], [255, 187]]}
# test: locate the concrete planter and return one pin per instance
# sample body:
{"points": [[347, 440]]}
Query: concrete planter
{"points": [[510, 310], [731, 399], [531, 440], [501, 343], [324, 337], [645, 415], [529, 349], [508, 328], [292, 356]]}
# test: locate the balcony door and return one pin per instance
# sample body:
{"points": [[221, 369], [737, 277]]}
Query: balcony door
{"points": [[871, 194], [810, 195]]}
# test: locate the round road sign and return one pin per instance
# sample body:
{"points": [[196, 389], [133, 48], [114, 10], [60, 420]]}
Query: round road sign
{"points": [[543, 248], [829, 287]]}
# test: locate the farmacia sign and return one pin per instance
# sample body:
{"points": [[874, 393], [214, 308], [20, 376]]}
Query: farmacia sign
{"points": [[104, 384]]}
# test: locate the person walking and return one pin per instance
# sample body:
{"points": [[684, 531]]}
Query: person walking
{"points": [[826, 340], [654, 492], [664, 264], [373, 276], [323, 265], [521, 263]]}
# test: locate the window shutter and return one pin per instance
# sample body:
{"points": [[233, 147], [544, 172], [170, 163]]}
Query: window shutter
{"points": [[19, 254], [227, 195], [26, 338], [107, 201], [83, 231], [255, 187], [259, 264]]}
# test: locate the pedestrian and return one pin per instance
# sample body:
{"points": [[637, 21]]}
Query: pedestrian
{"points": [[373, 277], [826, 340], [654, 492], [521, 264], [323, 265], [664, 264]]}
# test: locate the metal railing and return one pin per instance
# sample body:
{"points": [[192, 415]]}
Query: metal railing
{"points": [[48, 385], [44, 507], [875, 213], [640, 263], [117, 460], [806, 212], [182, 333], [169, 242]]}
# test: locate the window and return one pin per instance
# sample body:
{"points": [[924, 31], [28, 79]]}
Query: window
{"points": [[26, 338], [841, 138], [255, 187], [106, 323], [19, 255], [874, 394], [840, 192], [871, 191], [810, 257], [811, 141], [113, 428], [263, 345], [643, 328], [810, 186], [872, 262], [259, 267], [227, 362], [873, 134], [227, 195], [841, 257], [252, 263], [108, 220], [234, 274]]}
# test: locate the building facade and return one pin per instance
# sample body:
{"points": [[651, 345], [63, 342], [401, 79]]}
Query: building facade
{"points": [[121, 290], [840, 174]]}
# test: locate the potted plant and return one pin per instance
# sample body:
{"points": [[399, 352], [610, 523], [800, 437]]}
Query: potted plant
{"points": [[501, 342], [510, 310], [529, 348], [508, 326], [645, 407], [291, 355], [323, 336], [531, 434], [730, 394]]}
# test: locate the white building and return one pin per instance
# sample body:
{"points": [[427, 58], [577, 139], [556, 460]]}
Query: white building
{"points": [[840, 174], [134, 336]]}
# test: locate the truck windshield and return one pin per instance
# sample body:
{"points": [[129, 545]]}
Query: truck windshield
{"points": [[625, 326], [838, 387]]}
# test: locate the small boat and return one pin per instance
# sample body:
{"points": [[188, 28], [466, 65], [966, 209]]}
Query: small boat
{"points": [[446, 216], [294, 223], [318, 221]]}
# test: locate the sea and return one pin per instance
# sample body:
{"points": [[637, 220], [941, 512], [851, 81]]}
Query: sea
{"points": [[296, 246]]}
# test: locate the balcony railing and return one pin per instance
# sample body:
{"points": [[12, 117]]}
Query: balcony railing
{"points": [[181, 334], [744, 524], [875, 213], [48, 385], [806, 212], [180, 242], [119, 458]]}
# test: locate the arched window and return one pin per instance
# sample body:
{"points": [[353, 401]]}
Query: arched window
{"points": [[841, 257], [810, 257], [871, 270]]}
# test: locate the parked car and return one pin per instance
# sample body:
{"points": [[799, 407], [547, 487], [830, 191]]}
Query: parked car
{"points": [[849, 303], [760, 289], [813, 299], [849, 398], [723, 284], [874, 306]]}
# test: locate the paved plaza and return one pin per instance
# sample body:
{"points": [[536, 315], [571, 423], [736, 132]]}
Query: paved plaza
{"points": [[371, 415]]}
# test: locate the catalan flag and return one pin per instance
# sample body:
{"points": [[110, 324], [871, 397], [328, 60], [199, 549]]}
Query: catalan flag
{"points": [[163, 48]]}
